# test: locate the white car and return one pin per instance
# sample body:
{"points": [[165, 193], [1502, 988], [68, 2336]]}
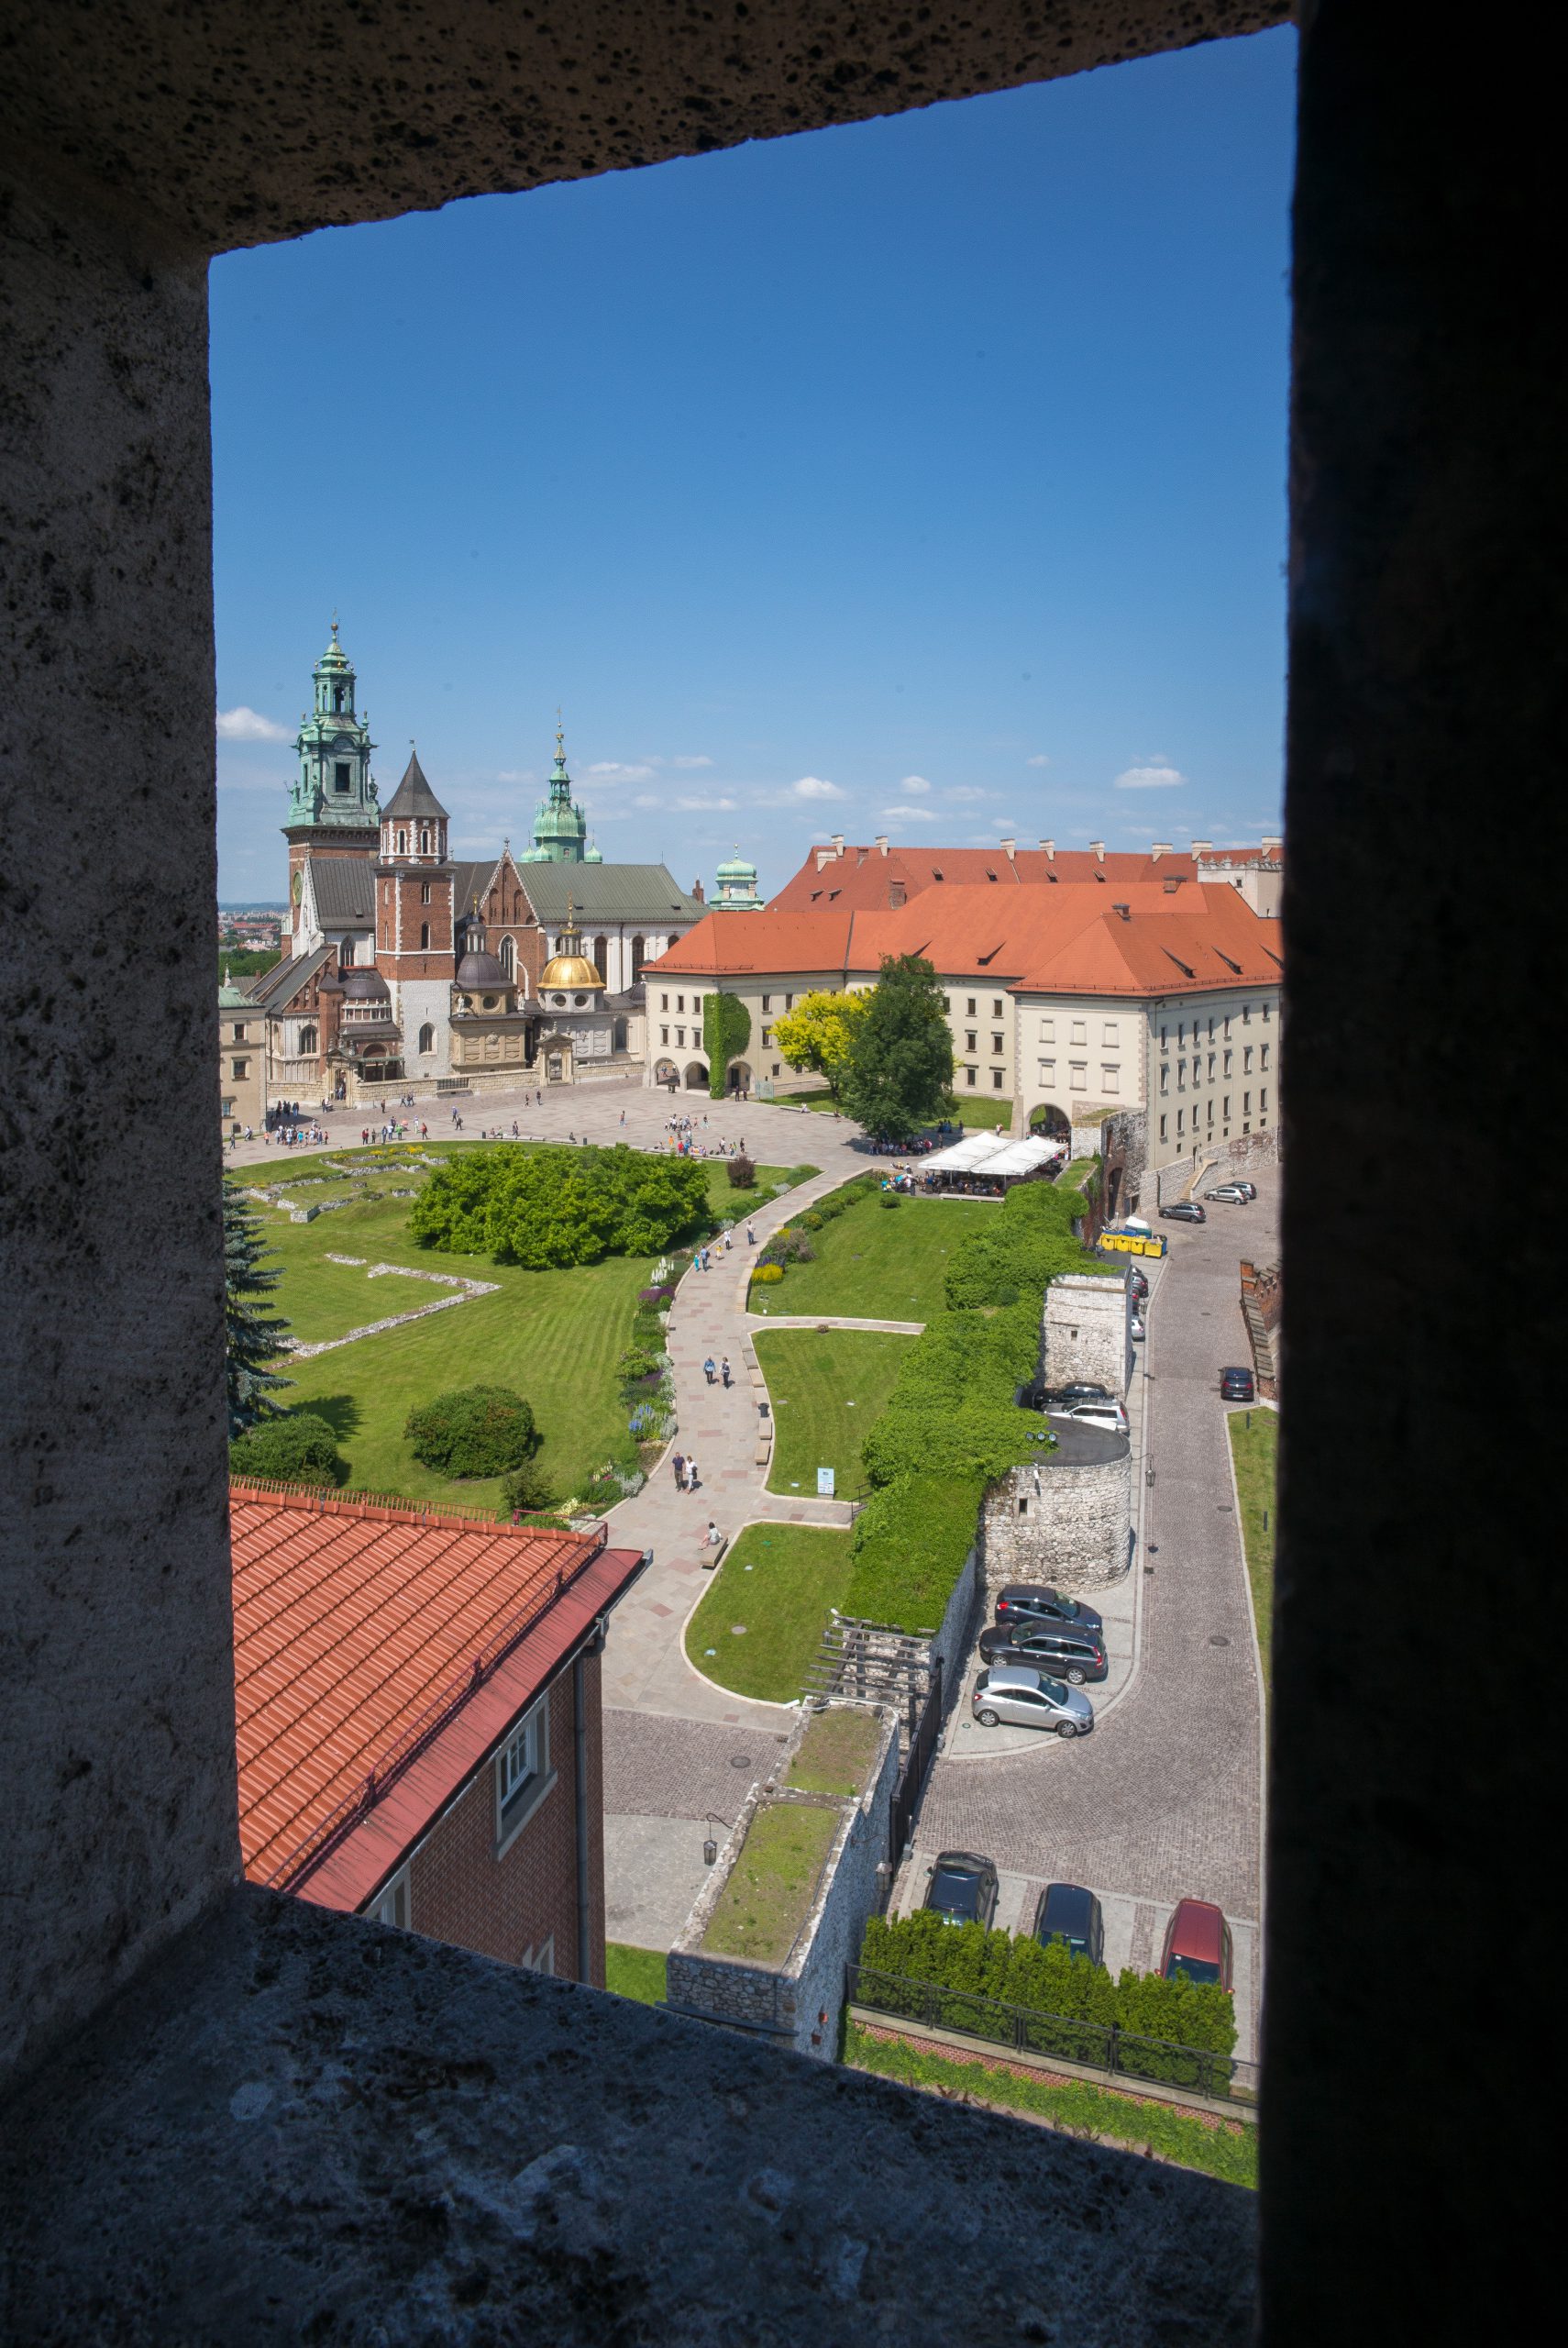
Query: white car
{"points": [[1109, 1415], [1232, 1195], [1136, 1327], [1029, 1699]]}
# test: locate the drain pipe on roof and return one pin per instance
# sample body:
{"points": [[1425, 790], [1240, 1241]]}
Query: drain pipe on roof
{"points": [[579, 1758]]}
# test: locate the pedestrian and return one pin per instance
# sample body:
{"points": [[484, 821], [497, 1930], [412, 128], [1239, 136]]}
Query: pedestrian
{"points": [[750, 1236], [729, 1242], [712, 1535], [680, 1466], [692, 1479], [623, 1116], [724, 1369], [708, 1371]]}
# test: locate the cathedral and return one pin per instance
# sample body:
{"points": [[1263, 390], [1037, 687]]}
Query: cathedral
{"points": [[407, 966]]}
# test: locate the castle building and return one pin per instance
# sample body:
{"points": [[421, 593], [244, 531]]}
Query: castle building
{"points": [[409, 966]]}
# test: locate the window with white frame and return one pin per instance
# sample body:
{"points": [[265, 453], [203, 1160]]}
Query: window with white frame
{"points": [[522, 1766], [390, 1905], [1111, 1076], [1048, 1073], [1047, 1030], [1078, 1076], [1107, 1033], [1080, 1031]]}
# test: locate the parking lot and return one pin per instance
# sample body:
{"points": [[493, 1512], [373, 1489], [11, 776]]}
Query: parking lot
{"points": [[1165, 1799]]}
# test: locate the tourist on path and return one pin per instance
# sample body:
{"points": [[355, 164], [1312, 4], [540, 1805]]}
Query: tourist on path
{"points": [[693, 1478], [708, 1371], [680, 1466], [724, 1369]]}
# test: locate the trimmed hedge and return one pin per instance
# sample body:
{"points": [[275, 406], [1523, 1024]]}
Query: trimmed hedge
{"points": [[1023, 1248], [474, 1431], [908, 1549], [1078, 2001], [547, 1207], [952, 1409], [298, 1448]]}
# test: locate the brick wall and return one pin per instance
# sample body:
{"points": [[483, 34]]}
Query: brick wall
{"points": [[458, 1889]]}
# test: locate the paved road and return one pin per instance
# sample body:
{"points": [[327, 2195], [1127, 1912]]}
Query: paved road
{"points": [[1165, 1799]]}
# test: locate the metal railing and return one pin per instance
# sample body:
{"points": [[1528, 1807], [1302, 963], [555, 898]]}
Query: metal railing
{"points": [[992, 2023]]}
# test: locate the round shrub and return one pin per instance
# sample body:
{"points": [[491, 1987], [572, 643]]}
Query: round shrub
{"points": [[660, 1299], [742, 1172], [474, 1431], [767, 1275], [891, 1199], [811, 1220], [298, 1448]]}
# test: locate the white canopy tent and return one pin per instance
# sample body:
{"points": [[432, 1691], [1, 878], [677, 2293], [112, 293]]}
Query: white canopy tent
{"points": [[1020, 1158], [965, 1156]]}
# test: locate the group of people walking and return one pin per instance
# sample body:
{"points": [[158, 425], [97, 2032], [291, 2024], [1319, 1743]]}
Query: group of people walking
{"points": [[721, 1373]]}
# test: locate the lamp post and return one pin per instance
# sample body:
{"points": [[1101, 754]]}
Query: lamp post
{"points": [[710, 1844]]}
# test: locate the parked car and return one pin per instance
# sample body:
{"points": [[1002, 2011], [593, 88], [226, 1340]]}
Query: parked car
{"points": [[1250, 1188], [1108, 1413], [1081, 1389], [1197, 1943], [1235, 1194], [963, 1888], [1064, 1649], [1019, 1603], [1138, 1283], [1137, 1328], [1017, 1693], [1184, 1210], [1236, 1385], [1067, 1912]]}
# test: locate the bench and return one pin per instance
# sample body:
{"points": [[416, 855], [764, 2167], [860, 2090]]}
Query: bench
{"points": [[711, 1555]]}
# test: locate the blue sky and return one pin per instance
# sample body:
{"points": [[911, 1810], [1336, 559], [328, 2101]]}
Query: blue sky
{"points": [[925, 477]]}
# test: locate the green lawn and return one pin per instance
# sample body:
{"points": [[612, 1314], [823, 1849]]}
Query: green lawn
{"points": [[779, 1581], [554, 1336], [988, 1116], [836, 1751], [635, 1972], [827, 1387], [1072, 2105], [768, 1894], [879, 1263], [1255, 1448]]}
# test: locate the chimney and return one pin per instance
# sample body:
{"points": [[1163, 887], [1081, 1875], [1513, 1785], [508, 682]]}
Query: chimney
{"points": [[1098, 847], [1161, 847], [1271, 847], [697, 891], [880, 843], [1010, 849], [838, 843], [1048, 849], [1201, 848], [1124, 911], [824, 856]]}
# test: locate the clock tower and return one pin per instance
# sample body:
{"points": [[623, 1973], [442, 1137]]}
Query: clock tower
{"points": [[333, 809]]}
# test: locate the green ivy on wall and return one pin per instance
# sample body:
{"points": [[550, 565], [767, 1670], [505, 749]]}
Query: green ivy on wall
{"points": [[726, 1031]]}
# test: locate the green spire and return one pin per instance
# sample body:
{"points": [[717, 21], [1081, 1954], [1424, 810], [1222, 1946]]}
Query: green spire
{"points": [[560, 827], [332, 790]]}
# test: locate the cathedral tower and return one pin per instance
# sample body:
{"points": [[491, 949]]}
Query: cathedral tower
{"points": [[332, 803], [560, 826], [416, 920]]}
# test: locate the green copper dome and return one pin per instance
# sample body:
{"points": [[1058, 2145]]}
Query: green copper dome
{"points": [[560, 826], [737, 884]]}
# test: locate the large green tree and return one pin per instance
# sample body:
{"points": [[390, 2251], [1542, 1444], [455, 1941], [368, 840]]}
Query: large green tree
{"points": [[251, 1339], [900, 1073]]}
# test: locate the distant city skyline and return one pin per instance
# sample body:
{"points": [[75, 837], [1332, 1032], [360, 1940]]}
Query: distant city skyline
{"points": [[926, 478]]}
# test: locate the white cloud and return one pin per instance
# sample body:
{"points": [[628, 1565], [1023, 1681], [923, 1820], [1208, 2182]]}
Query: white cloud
{"points": [[687, 765], [689, 806], [611, 771], [251, 783], [648, 799], [242, 724], [916, 783], [914, 815], [966, 791], [517, 774], [812, 786], [1159, 777], [1039, 759]]}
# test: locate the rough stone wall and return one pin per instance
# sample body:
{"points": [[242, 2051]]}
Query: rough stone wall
{"points": [[1236, 1156], [951, 1643], [1070, 1526], [799, 2000], [1124, 1149], [1085, 1331], [117, 1677]]}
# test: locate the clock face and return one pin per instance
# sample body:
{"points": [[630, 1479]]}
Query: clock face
{"points": [[296, 887]]}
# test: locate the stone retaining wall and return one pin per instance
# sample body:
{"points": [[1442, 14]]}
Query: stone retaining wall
{"points": [[799, 2000], [1238, 1156], [1067, 1525], [1085, 1331]]}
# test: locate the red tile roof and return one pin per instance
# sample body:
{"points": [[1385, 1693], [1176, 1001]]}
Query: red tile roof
{"points": [[362, 1629], [865, 880], [1181, 936]]}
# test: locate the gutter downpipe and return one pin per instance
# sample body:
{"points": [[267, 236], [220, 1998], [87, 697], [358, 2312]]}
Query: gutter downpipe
{"points": [[579, 1741]]}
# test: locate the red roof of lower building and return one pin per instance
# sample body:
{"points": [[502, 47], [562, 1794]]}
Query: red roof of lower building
{"points": [[363, 1633]]}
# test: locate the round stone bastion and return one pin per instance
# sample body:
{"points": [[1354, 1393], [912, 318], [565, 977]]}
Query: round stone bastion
{"points": [[1066, 1519]]}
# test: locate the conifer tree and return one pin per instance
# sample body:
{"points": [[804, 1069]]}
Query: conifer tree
{"points": [[251, 1339]]}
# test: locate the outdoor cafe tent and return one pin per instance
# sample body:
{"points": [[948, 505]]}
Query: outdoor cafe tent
{"points": [[965, 1156], [991, 1155], [1020, 1157]]}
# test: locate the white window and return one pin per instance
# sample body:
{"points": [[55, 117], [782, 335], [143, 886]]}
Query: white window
{"points": [[390, 1904], [1048, 1074], [1107, 1033], [1111, 1076], [1080, 1030], [1047, 1030], [1078, 1076], [521, 1771]]}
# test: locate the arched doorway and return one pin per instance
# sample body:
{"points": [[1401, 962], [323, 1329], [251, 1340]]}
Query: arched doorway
{"points": [[696, 1076], [618, 1037], [1048, 1122], [665, 1072], [738, 1077]]}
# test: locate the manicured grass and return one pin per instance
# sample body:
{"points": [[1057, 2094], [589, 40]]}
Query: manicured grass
{"points": [[878, 1263], [818, 1100], [780, 1581], [1071, 2105], [1254, 1450], [835, 1753], [827, 1387], [554, 1336], [988, 1116], [770, 1887], [635, 1972]]}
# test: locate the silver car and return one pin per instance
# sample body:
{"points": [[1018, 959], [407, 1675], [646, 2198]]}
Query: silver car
{"points": [[1027, 1699], [1109, 1416]]}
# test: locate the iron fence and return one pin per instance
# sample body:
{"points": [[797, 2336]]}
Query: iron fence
{"points": [[1020, 2030]]}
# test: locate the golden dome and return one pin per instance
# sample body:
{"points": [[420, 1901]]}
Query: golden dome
{"points": [[569, 972]]}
